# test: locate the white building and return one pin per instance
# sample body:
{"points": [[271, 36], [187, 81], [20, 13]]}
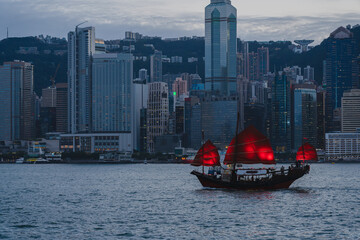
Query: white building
{"points": [[96, 142], [342, 146]]}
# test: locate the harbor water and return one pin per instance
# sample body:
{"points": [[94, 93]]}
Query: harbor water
{"points": [[151, 201]]}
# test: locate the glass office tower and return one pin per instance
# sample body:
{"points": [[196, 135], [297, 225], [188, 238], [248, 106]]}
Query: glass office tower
{"points": [[220, 47]]}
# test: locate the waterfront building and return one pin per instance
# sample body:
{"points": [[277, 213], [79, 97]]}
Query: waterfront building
{"points": [[17, 101], [220, 47], [350, 111], [61, 107], [304, 115], [342, 146], [81, 47], [157, 112], [341, 71], [96, 142], [156, 67], [281, 113], [112, 92]]}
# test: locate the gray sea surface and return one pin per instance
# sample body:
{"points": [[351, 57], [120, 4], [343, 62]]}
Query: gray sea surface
{"points": [[150, 201]]}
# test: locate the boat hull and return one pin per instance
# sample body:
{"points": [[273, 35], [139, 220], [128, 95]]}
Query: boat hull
{"points": [[277, 181]]}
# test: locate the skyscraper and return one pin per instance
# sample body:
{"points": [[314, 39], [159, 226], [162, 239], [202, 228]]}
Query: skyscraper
{"points": [[156, 67], [281, 113], [157, 112], [220, 47], [341, 71], [81, 47], [17, 101], [263, 62], [304, 115]]}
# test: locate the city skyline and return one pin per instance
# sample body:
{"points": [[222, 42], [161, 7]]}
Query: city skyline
{"points": [[275, 20]]}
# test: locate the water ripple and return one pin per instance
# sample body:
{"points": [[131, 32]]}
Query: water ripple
{"points": [[166, 202]]}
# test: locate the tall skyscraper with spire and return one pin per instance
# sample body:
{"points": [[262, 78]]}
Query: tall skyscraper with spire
{"points": [[220, 47], [81, 47]]}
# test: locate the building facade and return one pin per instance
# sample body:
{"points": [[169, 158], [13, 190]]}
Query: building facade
{"points": [[220, 47], [341, 71], [157, 112], [81, 47], [304, 115], [219, 120], [112, 93], [281, 113], [17, 101], [350, 111], [342, 146], [61, 107], [156, 67]]}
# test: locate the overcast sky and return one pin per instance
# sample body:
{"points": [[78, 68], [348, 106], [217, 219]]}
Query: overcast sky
{"points": [[260, 20]]}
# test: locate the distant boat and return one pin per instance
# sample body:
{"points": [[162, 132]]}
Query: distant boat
{"points": [[248, 147], [20, 160], [54, 157]]}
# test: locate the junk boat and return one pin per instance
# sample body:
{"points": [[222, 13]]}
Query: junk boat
{"points": [[249, 147]]}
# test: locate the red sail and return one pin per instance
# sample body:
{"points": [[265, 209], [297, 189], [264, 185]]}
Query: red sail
{"points": [[207, 156], [250, 147], [306, 152]]}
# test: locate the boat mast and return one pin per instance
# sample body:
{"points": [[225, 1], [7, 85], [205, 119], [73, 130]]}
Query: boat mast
{"points": [[202, 143]]}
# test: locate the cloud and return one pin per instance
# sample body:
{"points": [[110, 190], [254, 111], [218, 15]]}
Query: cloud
{"points": [[172, 18]]}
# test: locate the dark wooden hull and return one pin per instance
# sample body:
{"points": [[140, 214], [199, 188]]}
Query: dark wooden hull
{"points": [[277, 181]]}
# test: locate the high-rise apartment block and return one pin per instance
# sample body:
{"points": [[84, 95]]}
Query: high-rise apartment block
{"points": [[17, 101], [220, 47], [81, 47]]}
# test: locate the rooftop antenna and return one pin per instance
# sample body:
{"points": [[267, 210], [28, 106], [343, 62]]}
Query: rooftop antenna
{"points": [[80, 24]]}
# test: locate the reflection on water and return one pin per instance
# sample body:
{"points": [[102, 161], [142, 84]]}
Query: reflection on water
{"points": [[166, 202]]}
